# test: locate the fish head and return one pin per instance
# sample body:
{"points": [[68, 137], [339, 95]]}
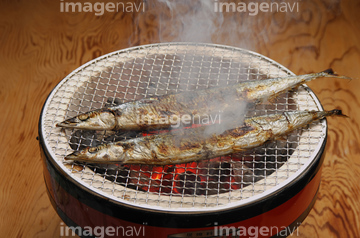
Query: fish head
{"points": [[105, 153], [102, 119]]}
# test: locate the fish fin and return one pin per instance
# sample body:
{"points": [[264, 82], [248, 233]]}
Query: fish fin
{"points": [[269, 101], [113, 102], [238, 149], [272, 100], [149, 100], [281, 138], [329, 71]]}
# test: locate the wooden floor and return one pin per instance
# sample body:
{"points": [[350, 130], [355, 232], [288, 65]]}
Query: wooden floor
{"points": [[39, 46]]}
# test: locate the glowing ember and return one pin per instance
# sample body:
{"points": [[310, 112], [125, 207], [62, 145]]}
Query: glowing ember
{"points": [[204, 177]]}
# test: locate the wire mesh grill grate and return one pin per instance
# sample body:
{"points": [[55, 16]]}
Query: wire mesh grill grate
{"points": [[160, 69]]}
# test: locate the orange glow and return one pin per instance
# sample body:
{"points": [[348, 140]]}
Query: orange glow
{"points": [[157, 173], [179, 169]]}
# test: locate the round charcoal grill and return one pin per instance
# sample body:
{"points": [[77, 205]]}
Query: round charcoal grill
{"points": [[272, 186]]}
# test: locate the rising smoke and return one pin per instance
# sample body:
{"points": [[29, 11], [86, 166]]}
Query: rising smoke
{"points": [[191, 21], [196, 21]]}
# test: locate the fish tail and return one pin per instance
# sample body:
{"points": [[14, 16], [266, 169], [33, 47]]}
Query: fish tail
{"points": [[331, 74], [317, 115], [335, 112]]}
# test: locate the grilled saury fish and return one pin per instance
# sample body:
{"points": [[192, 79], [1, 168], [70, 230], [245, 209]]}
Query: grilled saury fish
{"points": [[151, 113], [192, 144]]}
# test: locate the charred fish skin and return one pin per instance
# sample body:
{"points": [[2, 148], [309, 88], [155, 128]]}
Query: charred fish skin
{"points": [[192, 145], [165, 111]]}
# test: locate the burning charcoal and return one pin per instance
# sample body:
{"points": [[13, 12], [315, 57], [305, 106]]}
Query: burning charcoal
{"points": [[116, 173], [242, 174], [113, 136], [138, 178], [144, 178], [187, 183], [216, 176], [81, 139]]}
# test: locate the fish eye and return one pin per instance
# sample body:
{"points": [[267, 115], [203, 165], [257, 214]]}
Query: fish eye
{"points": [[83, 117], [93, 149]]}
